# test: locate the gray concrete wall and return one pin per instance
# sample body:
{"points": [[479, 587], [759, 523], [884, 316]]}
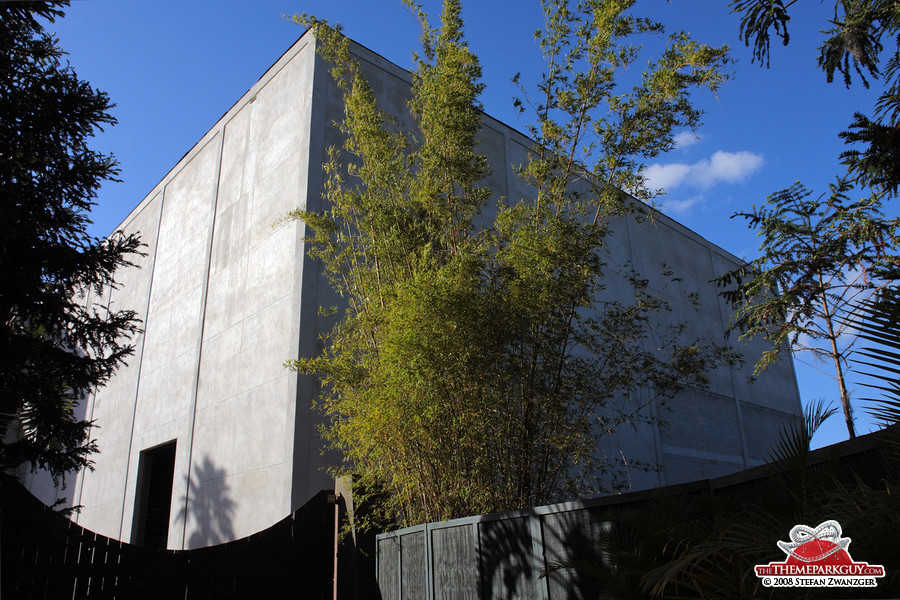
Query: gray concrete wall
{"points": [[227, 294], [220, 294]]}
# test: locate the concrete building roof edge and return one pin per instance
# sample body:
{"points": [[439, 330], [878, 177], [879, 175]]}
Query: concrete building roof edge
{"points": [[294, 49]]}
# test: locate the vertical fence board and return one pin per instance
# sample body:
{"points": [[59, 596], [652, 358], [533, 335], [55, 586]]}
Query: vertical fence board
{"points": [[569, 536], [388, 568], [454, 563], [413, 566], [505, 558], [45, 556]]}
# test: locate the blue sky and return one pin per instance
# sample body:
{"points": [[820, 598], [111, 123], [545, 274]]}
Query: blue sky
{"points": [[174, 68]]}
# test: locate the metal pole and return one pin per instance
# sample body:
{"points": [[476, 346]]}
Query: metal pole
{"points": [[337, 518]]}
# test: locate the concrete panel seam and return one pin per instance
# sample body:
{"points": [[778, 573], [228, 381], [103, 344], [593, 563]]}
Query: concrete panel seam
{"points": [[137, 387], [79, 479], [654, 409], [304, 328], [703, 454], [731, 372], [248, 97], [204, 296]]}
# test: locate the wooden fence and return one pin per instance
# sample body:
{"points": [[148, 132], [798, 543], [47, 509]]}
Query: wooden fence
{"points": [[45, 556], [503, 556]]}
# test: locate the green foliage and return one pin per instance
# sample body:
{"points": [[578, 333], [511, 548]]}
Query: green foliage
{"points": [[54, 349], [876, 321], [819, 257], [757, 19], [877, 165], [855, 45], [587, 123], [477, 365]]}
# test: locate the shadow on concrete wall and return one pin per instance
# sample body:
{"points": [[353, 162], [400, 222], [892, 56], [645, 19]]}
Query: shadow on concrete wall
{"points": [[208, 508]]}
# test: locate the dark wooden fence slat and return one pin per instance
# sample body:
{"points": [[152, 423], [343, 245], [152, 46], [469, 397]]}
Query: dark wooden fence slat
{"points": [[290, 559]]}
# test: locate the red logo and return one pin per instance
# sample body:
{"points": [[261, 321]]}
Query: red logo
{"points": [[818, 558]]}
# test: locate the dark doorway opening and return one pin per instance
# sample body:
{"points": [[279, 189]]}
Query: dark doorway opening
{"points": [[153, 501]]}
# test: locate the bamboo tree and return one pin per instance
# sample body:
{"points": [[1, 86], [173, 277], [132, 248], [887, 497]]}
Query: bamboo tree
{"points": [[477, 366]]}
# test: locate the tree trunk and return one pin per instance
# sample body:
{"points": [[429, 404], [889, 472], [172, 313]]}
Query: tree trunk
{"points": [[838, 368]]}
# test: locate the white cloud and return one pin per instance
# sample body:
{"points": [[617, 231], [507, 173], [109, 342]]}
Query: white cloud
{"points": [[727, 167], [685, 139], [680, 207], [666, 176], [721, 167]]}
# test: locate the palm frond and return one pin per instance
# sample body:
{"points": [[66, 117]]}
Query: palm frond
{"points": [[793, 445], [878, 321]]}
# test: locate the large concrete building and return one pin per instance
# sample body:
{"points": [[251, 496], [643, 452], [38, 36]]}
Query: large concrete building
{"points": [[227, 293]]}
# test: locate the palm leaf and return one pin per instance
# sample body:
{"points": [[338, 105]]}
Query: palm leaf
{"points": [[794, 443], [877, 322]]}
